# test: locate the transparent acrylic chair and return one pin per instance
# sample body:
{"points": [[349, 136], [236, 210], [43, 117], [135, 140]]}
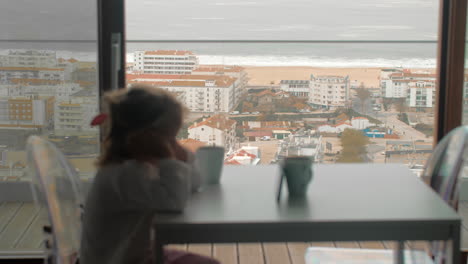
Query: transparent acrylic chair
{"points": [[443, 169], [56, 187]]}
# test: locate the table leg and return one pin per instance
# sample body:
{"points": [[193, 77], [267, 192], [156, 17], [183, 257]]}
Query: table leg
{"points": [[456, 244], [159, 252], [399, 257]]}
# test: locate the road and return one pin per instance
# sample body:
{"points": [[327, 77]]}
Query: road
{"points": [[390, 119], [405, 131]]}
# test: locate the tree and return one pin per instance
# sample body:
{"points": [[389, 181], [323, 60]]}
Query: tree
{"points": [[400, 105], [386, 103], [363, 94], [354, 144]]}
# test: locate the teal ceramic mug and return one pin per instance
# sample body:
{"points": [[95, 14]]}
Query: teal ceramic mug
{"points": [[298, 174], [209, 161]]}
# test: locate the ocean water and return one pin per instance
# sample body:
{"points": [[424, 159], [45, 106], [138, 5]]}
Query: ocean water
{"points": [[155, 20]]}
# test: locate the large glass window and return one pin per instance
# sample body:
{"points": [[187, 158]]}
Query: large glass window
{"points": [[337, 80], [48, 81]]}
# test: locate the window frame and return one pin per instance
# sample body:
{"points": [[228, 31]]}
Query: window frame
{"points": [[450, 66]]}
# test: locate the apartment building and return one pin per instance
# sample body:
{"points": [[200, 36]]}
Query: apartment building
{"points": [[329, 91], [298, 88], [165, 61], [60, 90], [202, 93], [73, 117], [29, 58], [421, 95], [236, 72], [218, 130], [397, 84], [9, 73], [26, 112]]}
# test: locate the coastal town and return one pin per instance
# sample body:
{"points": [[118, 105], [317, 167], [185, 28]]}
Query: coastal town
{"points": [[259, 115]]}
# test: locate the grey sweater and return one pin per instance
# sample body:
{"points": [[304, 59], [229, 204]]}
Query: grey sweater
{"points": [[121, 204]]}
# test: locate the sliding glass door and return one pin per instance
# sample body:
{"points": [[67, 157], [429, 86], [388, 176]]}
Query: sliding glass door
{"points": [[48, 81]]}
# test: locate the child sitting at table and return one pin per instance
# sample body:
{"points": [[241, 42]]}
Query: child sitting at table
{"points": [[142, 170]]}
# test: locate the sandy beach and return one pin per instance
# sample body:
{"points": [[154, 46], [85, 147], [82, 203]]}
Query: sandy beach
{"points": [[267, 75]]}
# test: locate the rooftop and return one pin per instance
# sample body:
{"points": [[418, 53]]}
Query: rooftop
{"points": [[191, 144], [218, 68], [180, 80], [217, 121], [169, 52]]}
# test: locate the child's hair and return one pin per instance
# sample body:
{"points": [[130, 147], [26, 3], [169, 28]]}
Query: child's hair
{"points": [[143, 123]]}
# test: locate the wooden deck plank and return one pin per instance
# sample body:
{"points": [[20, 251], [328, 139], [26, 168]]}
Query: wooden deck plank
{"points": [[276, 253], [250, 253], [34, 236], [17, 226], [201, 249], [351, 244], [389, 244], [464, 240], [225, 253], [372, 244], [297, 252], [7, 211], [322, 244]]}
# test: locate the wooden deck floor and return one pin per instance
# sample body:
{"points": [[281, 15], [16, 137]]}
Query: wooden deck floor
{"points": [[21, 237]]}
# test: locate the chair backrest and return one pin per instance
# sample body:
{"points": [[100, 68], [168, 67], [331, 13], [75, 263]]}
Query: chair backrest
{"points": [[56, 186], [444, 167]]}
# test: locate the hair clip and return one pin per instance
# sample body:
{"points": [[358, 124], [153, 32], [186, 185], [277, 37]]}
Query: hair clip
{"points": [[99, 119]]}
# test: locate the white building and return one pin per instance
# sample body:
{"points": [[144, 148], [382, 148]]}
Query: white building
{"points": [[361, 123], [202, 93], [396, 84], [217, 130], [29, 58], [421, 94], [385, 78], [243, 156], [61, 91], [74, 117], [338, 128], [7, 74], [328, 91], [236, 72], [165, 61], [298, 88]]}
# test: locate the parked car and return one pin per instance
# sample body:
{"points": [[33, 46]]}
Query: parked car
{"points": [[234, 113], [255, 113], [246, 113], [265, 138]]}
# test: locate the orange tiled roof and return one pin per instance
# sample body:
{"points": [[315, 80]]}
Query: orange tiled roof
{"points": [[232, 162], [342, 123], [220, 81], [35, 81], [359, 117], [217, 121], [188, 83], [409, 74], [265, 92], [169, 52], [191, 144], [218, 68]]}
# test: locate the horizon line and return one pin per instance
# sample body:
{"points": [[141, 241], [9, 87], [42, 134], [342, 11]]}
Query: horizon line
{"points": [[230, 41]]}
